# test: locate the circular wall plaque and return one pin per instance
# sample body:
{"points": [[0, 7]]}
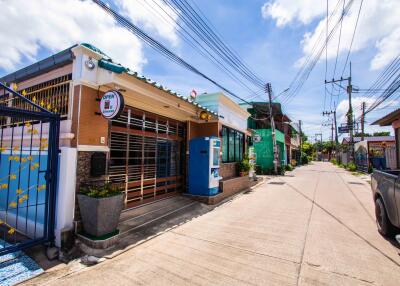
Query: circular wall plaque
{"points": [[112, 104]]}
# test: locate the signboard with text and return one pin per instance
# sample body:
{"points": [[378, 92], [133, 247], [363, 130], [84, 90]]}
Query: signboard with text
{"points": [[111, 104], [344, 129]]}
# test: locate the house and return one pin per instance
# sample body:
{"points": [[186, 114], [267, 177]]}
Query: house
{"points": [[286, 137], [372, 151], [393, 119], [230, 127], [144, 148]]}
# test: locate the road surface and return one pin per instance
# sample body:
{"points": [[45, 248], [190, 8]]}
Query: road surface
{"points": [[315, 226]]}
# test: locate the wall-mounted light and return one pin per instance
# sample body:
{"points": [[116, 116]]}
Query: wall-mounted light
{"points": [[204, 115], [90, 64]]}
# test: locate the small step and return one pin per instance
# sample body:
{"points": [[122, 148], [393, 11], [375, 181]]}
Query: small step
{"points": [[158, 210], [145, 208]]}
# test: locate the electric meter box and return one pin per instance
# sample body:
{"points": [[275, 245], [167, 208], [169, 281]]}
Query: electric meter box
{"points": [[204, 166]]}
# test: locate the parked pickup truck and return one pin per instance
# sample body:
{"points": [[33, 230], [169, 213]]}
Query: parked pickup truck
{"points": [[386, 193]]}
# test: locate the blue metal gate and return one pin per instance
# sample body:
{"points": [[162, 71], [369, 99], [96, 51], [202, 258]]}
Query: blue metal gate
{"points": [[29, 138]]}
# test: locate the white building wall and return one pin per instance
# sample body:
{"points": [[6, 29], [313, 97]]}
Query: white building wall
{"points": [[65, 207], [231, 118]]}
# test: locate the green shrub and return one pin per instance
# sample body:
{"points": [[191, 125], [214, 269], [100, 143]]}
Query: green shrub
{"points": [[333, 161], [281, 170], [289, 167], [304, 158], [101, 191], [370, 169], [351, 167], [244, 165], [342, 165]]}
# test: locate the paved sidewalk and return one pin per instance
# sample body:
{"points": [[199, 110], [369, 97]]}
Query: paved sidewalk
{"points": [[274, 235]]}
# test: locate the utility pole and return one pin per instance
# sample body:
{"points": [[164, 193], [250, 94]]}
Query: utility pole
{"points": [[316, 139], [268, 90], [332, 136], [301, 141], [334, 126], [362, 120], [350, 122]]}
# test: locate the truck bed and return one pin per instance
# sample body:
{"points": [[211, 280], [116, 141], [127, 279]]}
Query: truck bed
{"points": [[395, 173]]}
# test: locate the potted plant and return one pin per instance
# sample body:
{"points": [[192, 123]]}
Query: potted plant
{"points": [[244, 167], [100, 207]]}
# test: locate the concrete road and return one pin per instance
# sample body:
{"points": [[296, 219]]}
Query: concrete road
{"points": [[313, 227]]}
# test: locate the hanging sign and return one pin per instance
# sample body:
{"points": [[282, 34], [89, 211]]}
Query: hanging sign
{"points": [[193, 94], [111, 104]]}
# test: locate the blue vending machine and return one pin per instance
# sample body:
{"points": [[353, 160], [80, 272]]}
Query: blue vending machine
{"points": [[204, 166]]}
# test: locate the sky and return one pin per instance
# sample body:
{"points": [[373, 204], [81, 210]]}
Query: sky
{"points": [[273, 37]]}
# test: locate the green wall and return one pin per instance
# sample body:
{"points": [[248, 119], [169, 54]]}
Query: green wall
{"points": [[264, 148]]}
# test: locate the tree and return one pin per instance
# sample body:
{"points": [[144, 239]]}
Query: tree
{"points": [[382, 133], [359, 134], [307, 148]]}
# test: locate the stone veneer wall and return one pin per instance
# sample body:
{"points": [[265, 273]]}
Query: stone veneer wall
{"points": [[228, 170], [83, 175]]}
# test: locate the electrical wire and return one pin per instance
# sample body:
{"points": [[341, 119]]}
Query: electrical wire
{"points": [[192, 19], [195, 44], [160, 47], [352, 38], [304, 72]]}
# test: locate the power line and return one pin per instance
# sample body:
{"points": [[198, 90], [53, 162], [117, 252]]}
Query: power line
{"points": [[326, 44], [196, 45], [299, 78], [236, 55], [304, 72], [352, 39], [160, 47], [337, 56], [192, 19]]}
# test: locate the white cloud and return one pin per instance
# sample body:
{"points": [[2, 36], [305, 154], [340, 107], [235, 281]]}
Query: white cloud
{"points": [[285, 12], [148, 14], [378, 26], [27, 26], [356, 102]]}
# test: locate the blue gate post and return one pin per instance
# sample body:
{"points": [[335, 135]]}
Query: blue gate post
{"points": [[52, 173]]}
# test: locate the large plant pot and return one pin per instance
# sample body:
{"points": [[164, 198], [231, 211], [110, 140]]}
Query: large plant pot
{"points": [[100, 216]]}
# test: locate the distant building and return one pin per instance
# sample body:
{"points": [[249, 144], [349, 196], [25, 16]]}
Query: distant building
{"points": [[372, 151], [287, 137], [392, 119]]}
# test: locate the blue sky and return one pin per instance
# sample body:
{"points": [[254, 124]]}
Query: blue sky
{"points": [[270, 39]]}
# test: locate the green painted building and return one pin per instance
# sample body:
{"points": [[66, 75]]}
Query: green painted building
{"points": [[264, 148], [259, 123]]}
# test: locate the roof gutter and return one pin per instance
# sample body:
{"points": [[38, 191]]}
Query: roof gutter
{"points": [[55, 61]]}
